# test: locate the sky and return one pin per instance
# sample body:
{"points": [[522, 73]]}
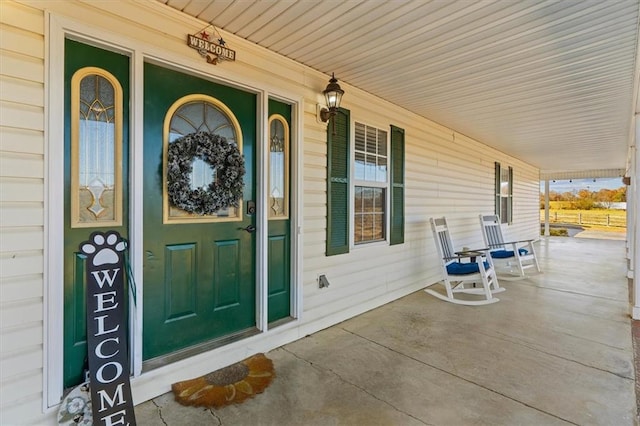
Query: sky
{"points": [[576, 185]]}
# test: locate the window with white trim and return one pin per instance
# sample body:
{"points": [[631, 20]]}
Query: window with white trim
{"points": [[371, 175], [504, 193], [370, 184]]}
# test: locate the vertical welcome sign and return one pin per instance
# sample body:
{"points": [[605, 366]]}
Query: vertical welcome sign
{"points": [[107, 331]]}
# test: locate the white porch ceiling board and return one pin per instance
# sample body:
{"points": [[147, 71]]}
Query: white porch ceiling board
{"points": [[316, 46], [437, 43], [316, 25], [574, 102], [550, 82], [520, 67], [459, 64], [225, 10], [286, 18], [245, 24], [195, 7], [176, 4], [537, 83], [396, 35], [248, 25], [304, 24]]}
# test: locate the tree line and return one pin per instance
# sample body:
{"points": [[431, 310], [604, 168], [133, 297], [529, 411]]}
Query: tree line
{"points": [[585, 199]]}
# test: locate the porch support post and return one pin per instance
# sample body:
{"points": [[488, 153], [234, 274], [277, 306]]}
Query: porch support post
{"points": [[546, 208], [634, 188], [630, 213]]}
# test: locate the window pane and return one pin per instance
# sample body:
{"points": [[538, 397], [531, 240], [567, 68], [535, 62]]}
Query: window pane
{"points": [[358, 200], [370, 154], [504, 210], [382, 143], [96, 151], [360, 139], [200, 116], [378, 226], [381, 172], [381, 175], [372, 140], [181, 126], [370, 168], [358, 171], [367, 200], [203, 174], [504, 182], [278, 168], [378, 200], [369, 218]]}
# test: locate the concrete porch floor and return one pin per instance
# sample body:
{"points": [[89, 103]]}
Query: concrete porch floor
{"points": [[556, 349]]}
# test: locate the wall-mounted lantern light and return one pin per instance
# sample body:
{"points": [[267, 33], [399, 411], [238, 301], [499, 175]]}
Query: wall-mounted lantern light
{"points": [[333, 95]]}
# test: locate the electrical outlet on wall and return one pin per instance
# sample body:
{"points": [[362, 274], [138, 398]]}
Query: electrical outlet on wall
{"points": [[323, 281]]}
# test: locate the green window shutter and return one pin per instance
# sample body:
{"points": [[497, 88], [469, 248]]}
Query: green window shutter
{"points": [[338, 183], [497, 188], [510, 202], [397, 186]]}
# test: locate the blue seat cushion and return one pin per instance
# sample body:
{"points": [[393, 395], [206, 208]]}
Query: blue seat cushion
{"points": [[503, 254], [457, 268]]}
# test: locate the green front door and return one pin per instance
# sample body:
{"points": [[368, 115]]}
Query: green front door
{"points": [[96, 190], [199, 270]]}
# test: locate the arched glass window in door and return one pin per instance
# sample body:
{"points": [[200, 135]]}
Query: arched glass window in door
{"points": [[96, 149], [278, 190], [191, 114]]}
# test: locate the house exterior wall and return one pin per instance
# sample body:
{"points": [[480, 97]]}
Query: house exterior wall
{"points": [[446, 174], [22, 192]]}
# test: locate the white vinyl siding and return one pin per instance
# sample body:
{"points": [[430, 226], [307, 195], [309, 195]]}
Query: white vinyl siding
{"points": [[21, 212], [446, 174]]}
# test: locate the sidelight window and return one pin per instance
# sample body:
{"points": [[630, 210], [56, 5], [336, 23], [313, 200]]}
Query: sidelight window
{"points": [[96, 149], [278, 167]]}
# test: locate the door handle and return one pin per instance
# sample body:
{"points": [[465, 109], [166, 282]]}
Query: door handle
{"points": [[250, 229]]}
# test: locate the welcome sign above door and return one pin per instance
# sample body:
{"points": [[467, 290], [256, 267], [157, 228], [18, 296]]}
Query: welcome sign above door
{"points": [[212, 51]]}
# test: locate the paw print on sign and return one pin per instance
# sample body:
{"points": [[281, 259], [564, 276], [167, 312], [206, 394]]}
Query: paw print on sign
{"points": [[104, 248]]}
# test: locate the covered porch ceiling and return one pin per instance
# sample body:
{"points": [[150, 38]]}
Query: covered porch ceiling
{"points": [[553, 83]]}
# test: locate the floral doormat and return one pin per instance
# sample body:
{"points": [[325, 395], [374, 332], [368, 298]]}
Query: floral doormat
{"points": [[229, 385]]}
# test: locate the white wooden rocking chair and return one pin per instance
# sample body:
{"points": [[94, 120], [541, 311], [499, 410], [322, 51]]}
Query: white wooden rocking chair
{"points": [[475, 277], [511, 258]]}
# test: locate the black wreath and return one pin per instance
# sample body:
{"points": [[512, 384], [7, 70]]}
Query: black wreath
{"points": [[225, 158]]}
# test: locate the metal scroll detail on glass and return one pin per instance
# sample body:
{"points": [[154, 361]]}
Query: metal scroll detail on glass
{"points": [[278, 168], [200, 113], [96, 149]]}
